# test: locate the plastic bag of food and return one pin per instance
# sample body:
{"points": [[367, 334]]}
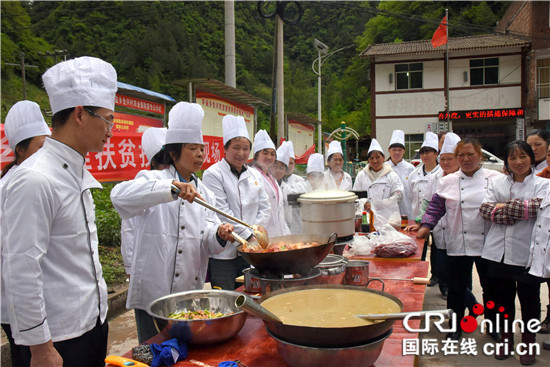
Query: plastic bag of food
{"points": [[386, 211], [391, 243], [361, 245]]}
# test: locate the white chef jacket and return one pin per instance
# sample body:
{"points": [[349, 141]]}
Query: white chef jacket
{"points": [[511, 243], [128, 229], [243, 197], [385, 186], [539, 258], [403, 170], [174, 240], [417, 184], [3, 301], [329, 183], [541, 166], [54, 283], [293, 214], [439, 230], [463, 196], [276, 224]]}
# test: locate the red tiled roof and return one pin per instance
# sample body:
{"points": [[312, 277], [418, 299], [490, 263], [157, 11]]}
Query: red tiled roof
{"points": [[482, 41]]}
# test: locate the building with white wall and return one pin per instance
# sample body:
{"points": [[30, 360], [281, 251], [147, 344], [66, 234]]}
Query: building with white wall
{"points": [[486, 76]]}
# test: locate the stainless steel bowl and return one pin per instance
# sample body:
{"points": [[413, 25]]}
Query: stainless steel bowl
{"points": [[198, 332], [358, 356]]}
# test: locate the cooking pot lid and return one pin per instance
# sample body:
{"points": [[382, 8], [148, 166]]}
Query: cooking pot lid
{"points": [[332, 260], [330, 196]]}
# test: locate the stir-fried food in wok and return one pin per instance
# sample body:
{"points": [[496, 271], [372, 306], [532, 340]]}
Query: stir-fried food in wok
{"points": [[281, 246], [196, 315]]}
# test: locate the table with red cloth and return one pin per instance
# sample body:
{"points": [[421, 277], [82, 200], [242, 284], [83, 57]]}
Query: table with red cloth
{"points": [[255, 348]]}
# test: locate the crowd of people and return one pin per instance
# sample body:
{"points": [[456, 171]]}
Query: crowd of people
{"points": [[54, 297]]}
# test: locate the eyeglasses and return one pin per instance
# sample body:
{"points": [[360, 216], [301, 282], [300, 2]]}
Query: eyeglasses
{"points": [[109, 123]]}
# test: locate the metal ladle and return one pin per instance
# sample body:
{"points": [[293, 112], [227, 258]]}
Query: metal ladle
{"points": [[260, 233]]}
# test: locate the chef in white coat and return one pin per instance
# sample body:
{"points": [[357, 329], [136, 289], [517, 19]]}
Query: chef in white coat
{"points": [[152, 142], [175, 237], [459, 197], [55, 291], [264, 158], [315, 172], [539, 140], [417, 181], [378, 179], [26, 131], [396, 149], [335, 177], [290, 184], [239, 193]]}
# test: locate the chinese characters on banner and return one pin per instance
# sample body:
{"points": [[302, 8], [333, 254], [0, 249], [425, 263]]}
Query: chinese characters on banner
{"points": [[498, 113], [139, 104]]}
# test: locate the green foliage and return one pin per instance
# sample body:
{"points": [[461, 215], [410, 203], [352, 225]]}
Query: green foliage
{"points": [[112, 265], [107, 218]]}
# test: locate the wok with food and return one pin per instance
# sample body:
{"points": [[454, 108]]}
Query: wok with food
{"points": [[197, 315], [294, 259], [324, 315], [281, 246]]}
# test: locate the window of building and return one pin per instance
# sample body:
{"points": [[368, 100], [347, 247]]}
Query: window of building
{"points": [[484, 71], [408, 76], [412, 143], [543, 78]]}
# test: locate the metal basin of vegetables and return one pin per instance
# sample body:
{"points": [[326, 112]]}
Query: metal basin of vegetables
{"points": [[198, 332]]}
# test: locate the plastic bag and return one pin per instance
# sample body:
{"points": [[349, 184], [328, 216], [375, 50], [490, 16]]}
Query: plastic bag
{"points": [[391, 243], [361, 245], [386, 211]]}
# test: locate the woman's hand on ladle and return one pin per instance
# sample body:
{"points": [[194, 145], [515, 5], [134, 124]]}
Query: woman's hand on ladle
{"points": [[187, 191], [224, 232]]}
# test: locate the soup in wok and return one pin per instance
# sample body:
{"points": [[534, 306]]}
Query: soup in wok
{"points": [[328, 307]]}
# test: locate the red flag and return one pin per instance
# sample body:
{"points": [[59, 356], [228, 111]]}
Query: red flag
{"points": [[440, 36]]}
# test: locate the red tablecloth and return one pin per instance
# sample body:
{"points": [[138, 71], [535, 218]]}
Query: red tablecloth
{"points": [[255, 348]]}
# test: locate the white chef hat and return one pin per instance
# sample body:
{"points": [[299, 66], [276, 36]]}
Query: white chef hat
{"points": [[84, 81], [152, 141], [234, 126], [290, 149], [398, 137], [431, 141], [334, 147], [283, 153], [374, 145], [185, 124], [262, 141], [315, 163], [24, 120], [450, 142]]}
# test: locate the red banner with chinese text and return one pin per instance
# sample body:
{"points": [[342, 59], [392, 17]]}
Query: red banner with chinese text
{"points": [[139, 104]]}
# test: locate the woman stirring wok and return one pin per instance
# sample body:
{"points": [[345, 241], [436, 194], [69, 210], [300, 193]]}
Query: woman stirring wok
{"points": [[176, 237], [511, 205], [459, 196], [378, 179], [335, 177], [264, 158]]}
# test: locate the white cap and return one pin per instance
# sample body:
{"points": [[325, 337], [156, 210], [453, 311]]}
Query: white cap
{"points": [[431, 141], [84, 81], [290, 149], [315, 163], [374, 145], [262, 141], [152, 141], [450, 142], [185, 124], [234, 126], [24, 120], [334, 147], [283, 153], [398, 137]]}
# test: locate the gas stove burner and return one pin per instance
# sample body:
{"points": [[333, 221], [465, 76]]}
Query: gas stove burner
{"points": [[345, 239]]}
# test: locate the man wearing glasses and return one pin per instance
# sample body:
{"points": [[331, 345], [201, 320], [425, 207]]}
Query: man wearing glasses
{"points": [[56, 294]]}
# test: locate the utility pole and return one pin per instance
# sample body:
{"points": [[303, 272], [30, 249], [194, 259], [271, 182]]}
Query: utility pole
{"points": [[22, 65], [230, 68], [280, 82]]}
